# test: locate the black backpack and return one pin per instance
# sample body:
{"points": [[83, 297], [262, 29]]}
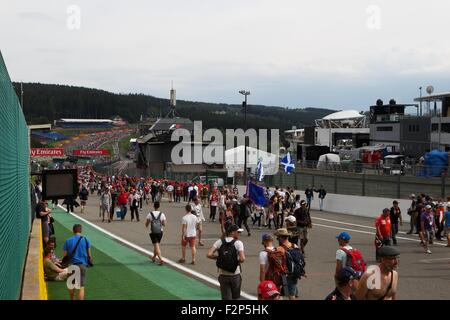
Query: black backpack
{"points": [[295, 263], [228, 256]]}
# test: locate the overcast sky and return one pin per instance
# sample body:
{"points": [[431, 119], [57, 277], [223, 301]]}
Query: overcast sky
{"points": [[323, 53]]}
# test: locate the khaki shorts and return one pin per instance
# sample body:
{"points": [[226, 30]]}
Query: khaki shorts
{"points": [[200, 226]]}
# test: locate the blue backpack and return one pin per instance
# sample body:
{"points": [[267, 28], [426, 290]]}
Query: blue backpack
{"points": [[295, 262]]}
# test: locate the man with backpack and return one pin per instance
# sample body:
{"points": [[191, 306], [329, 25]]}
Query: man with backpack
{"points": [[295, 264], [346, 256], [267, 242], [229, 259], [303, 222], [84, 194], [157, 221]]}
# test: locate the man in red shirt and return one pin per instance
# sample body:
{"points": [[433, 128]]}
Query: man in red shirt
{"points": [[384, 233], [123, 201]]}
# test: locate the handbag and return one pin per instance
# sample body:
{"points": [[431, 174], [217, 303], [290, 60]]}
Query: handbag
{"points": [[67, 260]]}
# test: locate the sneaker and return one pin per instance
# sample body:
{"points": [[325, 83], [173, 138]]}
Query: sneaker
{"points": [[201, 244], [181, 260], [429, 251]]}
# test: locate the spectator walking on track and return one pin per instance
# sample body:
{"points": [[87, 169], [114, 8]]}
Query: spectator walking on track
{"points": [[84, 194], [347, 283], [383, 227], [309, 193], [197, 206], [122, 201], [133, 201], [267, 242], [428, 227], [105, 203], [188, 233], [321, 195], [447, 223], [157, 221], [412, 212], [347, 256], [396, 217], [78, 249], [303, 222], [387, 277], [229, 259]]}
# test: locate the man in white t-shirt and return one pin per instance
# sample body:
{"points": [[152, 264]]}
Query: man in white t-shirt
{"points": [[197, 207], [169, 190], [267, 242], [156, 235], [230, 282], [188, 233]]}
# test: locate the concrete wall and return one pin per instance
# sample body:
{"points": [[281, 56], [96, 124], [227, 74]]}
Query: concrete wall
{"points": [[354, 205]]}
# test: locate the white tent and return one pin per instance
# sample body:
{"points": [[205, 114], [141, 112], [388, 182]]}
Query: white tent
{"points": [[327, 160]]}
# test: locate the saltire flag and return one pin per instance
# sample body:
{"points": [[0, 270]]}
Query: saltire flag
{"points": [[256, 194], [288, 163], [260, 170]]}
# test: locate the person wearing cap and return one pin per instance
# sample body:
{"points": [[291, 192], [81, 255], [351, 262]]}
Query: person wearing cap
{"points": [[383, 230], [267, 242], [347, 284], [412, 212], [428, 227], [230, 282], [384, 286], [289, 288], [267, 290], [291, 226], [341, 256], [396, 217]]}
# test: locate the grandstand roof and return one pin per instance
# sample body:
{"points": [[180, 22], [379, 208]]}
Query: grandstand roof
{"points": [[86, 120], [342, 115]]}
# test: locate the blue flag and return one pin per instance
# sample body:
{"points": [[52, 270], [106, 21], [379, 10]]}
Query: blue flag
{"points": [[288, 163], [256, 194]]}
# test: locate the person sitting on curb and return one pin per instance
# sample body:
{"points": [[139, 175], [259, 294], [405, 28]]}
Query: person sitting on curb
{"points": [[51, 270]]}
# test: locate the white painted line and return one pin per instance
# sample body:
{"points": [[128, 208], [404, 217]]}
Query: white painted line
{"points": [[167, 261], [350, 224], [367, 232], [430, 260]]}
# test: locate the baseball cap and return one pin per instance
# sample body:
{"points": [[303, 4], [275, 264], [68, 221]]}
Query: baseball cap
{"points": [[290, 218], [388, 251], [267, 237], [346, 274], [233, 228], [427, 206], [343, 236], [267, 289], [302, 202]]}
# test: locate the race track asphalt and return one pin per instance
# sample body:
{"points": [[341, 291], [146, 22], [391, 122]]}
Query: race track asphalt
{"points": [[422, 276]]}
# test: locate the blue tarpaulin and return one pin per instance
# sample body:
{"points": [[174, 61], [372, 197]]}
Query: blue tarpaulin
{"points": [[436, 163]]}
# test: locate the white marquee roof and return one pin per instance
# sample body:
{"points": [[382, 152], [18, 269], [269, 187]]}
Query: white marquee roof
{"points": [[342, 115]]}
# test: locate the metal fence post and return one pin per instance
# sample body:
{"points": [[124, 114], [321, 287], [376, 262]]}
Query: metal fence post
{"points": [[295, 180], [398, 186], [335, 183], [281, 180], [443, 188], [364, 185]]}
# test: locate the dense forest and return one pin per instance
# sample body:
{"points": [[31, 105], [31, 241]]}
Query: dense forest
{"points": [[44, 103]]}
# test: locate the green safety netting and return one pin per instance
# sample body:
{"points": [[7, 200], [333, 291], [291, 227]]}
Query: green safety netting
{"points": [[15, 218]]}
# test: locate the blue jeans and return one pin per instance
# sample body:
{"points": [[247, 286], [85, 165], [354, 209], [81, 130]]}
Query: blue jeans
{"points": [[123, 208]]}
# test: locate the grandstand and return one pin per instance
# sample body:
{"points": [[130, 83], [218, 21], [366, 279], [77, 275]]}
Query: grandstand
{"points": [[84, 123], [54, 136]]}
